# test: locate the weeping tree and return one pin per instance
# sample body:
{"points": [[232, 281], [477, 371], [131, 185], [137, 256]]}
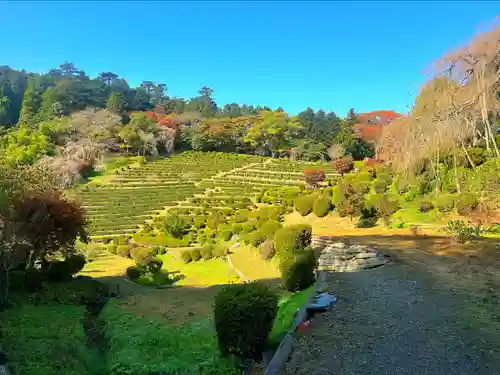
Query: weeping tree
{"points": [[452, 112]]}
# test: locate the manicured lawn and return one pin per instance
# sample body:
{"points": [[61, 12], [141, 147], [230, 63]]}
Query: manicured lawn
{"points": [[48, 340], [248, 260], [201, 273], [144, 344]]}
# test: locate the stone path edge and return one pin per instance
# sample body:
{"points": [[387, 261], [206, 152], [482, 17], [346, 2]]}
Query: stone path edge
{"points": [[285, 347]]}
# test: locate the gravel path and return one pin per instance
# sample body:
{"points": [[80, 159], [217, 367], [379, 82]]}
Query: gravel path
{"points": [[390, 320]]}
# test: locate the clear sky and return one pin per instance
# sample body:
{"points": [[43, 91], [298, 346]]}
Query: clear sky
{"points": [[330, 55]]}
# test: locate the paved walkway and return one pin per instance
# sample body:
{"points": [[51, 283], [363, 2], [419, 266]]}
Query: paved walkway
{"points": [[390, 320]]}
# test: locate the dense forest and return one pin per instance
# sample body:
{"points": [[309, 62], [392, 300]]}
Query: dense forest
{"points": [[68, 120]]}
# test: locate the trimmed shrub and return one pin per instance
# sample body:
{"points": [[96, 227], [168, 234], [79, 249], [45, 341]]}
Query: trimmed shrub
{"points": [[380, 186], [154, 265], [297, 273], [445, 203], [269, 228], [304, 205], [64, 270], [195, 255], [121, 240], [174, 225], [322, 206], [236, 228], [220, 251], [225, 234], [466, 204], [123, 251], [384, 207], [248, 227], [111, 248], [256, 238], [267, 250], [199, 222], [426, 206], [186, 256], [141, 255], [135, 272], [244, 315], [207, 252], [293, 239]]}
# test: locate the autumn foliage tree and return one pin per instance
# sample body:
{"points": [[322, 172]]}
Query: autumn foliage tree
{"points": [[314, 177], [49, 223], [343, 165]]}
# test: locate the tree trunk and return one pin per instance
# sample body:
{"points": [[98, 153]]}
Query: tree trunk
{"points": [[456, 172], [4, 282], [467, 155]]}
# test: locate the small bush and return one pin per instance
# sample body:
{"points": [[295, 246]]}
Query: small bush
{"points": [[293, 239], [314, 177], [174, 225], [186, 256], [269, 228], [380, 186], [141, 255], [267, 250], [64, 270], [460, 231], [244, 316], [466, 204], [154, 265], [350, 201], [384, 207], [111, 248], [121, 240], [236, 228], [426, 206], [343, 165], [135, 272], [322, 206], [207, 252], [195, 255], [304, 205], [199, 222], [256, 238], [220, 251], [297, 273], [445, 203], [225, 234]]}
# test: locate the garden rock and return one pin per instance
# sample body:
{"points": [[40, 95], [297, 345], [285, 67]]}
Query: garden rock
{"points": [[339, 257]]}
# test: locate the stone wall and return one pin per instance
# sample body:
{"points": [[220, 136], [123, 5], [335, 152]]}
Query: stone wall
{"points": [[339, 257]]}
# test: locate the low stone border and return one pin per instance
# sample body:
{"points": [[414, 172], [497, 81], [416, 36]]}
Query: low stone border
{"points": [[283, 352]]}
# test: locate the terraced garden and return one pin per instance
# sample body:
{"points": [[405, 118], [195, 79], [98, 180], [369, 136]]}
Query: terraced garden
{"points": [[193, 182]]}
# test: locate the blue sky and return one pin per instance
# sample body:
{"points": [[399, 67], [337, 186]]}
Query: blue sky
{"points": [[330, 55]]}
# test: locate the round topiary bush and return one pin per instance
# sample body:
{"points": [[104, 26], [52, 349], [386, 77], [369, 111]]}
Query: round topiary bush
{"points": [[304, 205], [267, 250], [111, 248], [220, 251], [206, 252], [322, 206], [225, 234], [270, 227], [297, 273], [195, 255], [135, 272], [256, 238], [123, 251], [380, 186], [186, 256], [141, 255], [244, 315]]}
